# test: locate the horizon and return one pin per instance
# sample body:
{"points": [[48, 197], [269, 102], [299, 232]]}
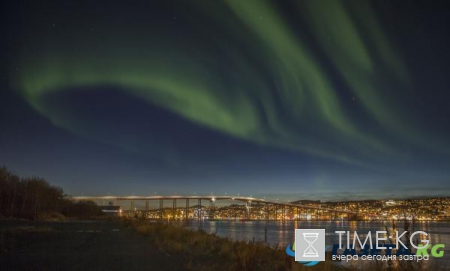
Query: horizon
{"points": [[285, 198]]}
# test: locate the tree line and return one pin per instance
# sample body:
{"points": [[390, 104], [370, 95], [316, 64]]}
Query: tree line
{"points": [[35, 198]]}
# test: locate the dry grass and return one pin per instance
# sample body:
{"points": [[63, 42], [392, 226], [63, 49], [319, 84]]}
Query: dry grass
{"points": [[51, 217], [203, 251]]}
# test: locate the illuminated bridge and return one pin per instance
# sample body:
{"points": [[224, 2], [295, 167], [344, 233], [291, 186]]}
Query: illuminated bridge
{"points": [[178, 207]]}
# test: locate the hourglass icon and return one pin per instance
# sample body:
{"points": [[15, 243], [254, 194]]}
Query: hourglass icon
{"points": [[310, 237]]}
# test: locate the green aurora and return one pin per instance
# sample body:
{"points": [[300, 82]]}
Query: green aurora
{"points": [[248, 69]]}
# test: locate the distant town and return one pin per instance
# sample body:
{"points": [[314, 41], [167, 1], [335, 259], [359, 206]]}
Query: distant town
{"points": [[423, 209], [419, 209]]}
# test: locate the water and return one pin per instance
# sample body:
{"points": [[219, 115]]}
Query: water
{"points": [[282, 233]]}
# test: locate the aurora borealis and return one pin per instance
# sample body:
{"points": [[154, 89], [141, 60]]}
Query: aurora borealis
{"points": [[252, 97]]}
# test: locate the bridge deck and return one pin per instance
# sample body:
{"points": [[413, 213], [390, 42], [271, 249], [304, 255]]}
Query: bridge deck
{"points": [[210, 198]]}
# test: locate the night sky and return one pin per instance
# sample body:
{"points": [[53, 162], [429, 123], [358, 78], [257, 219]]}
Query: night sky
{"points": [[282, 99]]}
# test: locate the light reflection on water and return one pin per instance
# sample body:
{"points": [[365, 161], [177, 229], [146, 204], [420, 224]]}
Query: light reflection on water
{"points": [[282, 233]]}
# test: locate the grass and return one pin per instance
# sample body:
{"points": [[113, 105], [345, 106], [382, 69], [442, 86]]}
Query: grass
{"points": [[202, 251]]}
